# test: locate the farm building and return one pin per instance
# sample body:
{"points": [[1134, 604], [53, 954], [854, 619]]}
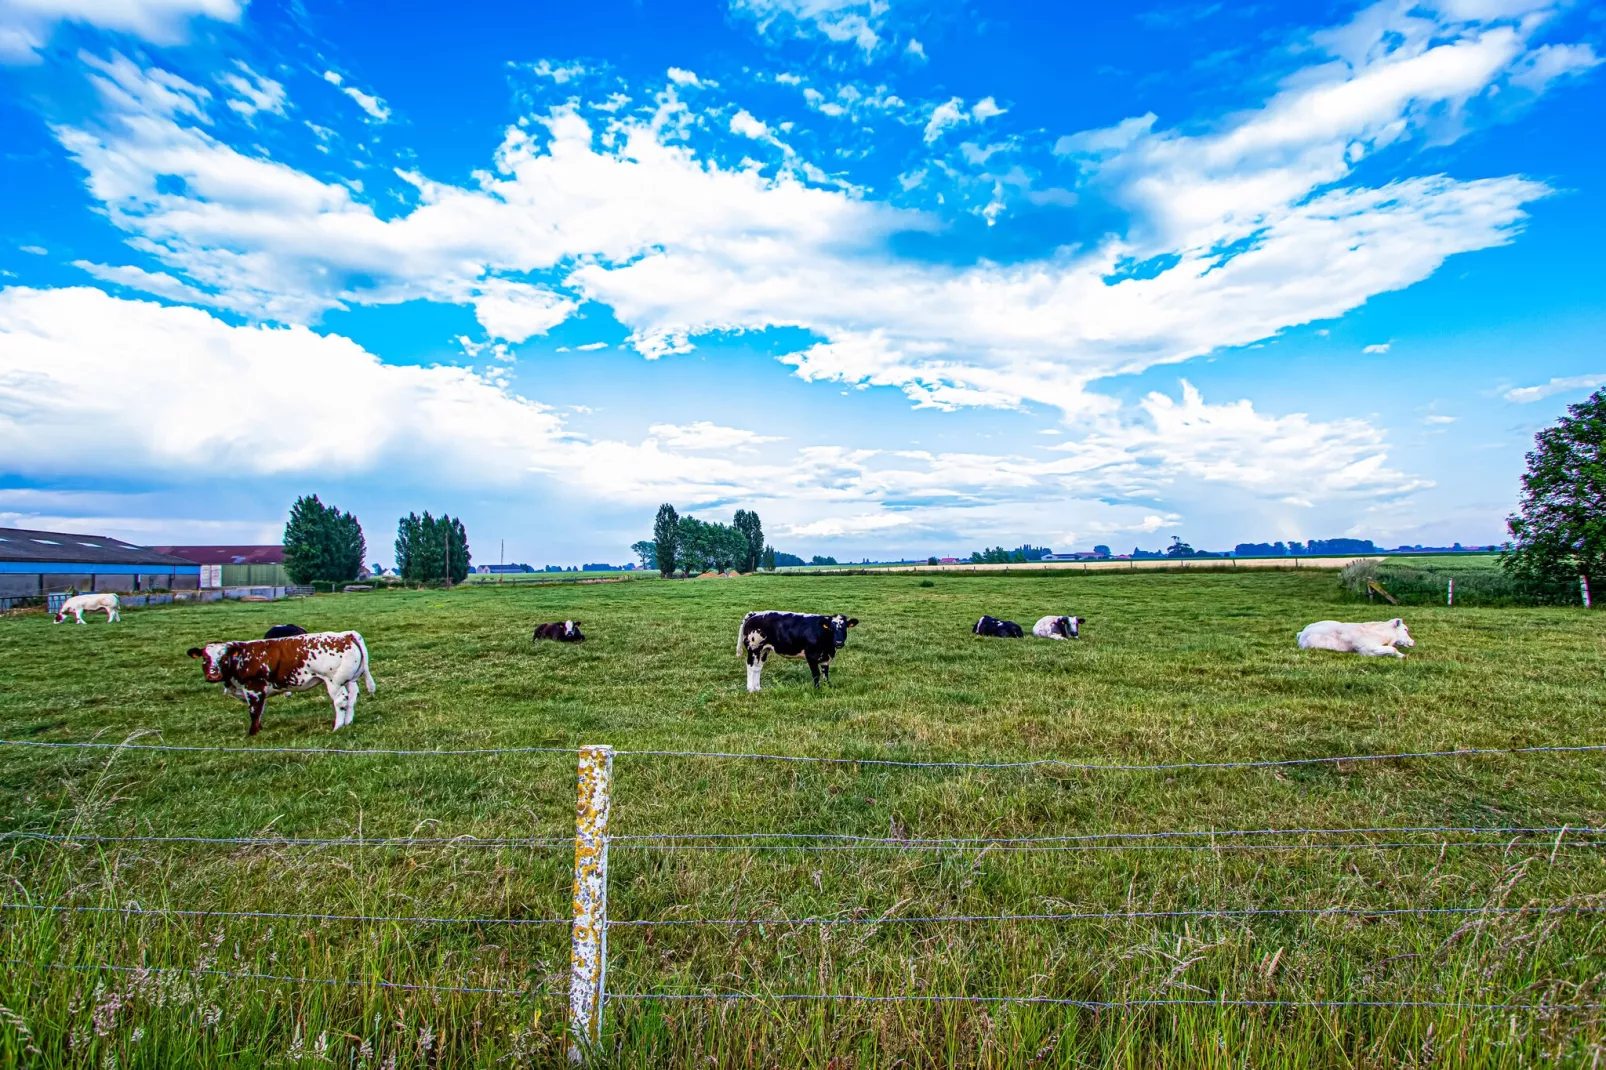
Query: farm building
{"points": [[34, 563], [235, 566]]}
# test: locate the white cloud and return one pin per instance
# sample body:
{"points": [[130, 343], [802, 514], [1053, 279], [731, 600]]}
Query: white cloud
{"points": [[559, 73], [704, 435], [985, 109], [26, 25], [253, 93], [375, 107], [682, 77], [948, 114], [1551, 63], [1526, 394], [85, 370], [514, 311], [744, 124], [838, 526], [915, 48], [1377, 347], [159, 283], [678, 246], [1438, 420], [33, 250], [591, 347], [842, 21]]}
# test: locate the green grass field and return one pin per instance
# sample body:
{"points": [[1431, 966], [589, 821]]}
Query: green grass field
{"points": [[1194, 667]]}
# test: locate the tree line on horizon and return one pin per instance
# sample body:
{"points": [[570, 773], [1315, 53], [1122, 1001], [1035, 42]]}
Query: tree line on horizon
{"points": [[1558, 532]]}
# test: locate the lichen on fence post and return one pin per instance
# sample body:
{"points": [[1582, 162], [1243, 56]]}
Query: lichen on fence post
{"points": [[588, 955]]}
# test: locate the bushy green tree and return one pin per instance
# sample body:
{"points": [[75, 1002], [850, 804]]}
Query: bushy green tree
{"points": [[1559, 529], [666, 538], [769, 559], [424, 543], [1178, 548], [647, 550], [322, 544], [752, 532]]}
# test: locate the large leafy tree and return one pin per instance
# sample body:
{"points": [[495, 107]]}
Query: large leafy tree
{"points": [[665, 536], [424, 543], [1559, 529], [752, 532], [322, 544]]}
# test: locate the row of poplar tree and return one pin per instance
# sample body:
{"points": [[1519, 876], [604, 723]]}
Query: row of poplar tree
{"points": [[324, 545], [690, 546]]}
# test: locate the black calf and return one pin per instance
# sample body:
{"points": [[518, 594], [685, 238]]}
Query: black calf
{"points": [[999, 629], [284, 631], [564, 631]]}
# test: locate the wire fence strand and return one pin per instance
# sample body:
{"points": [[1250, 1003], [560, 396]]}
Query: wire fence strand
{"points": [[139, 911], [1092, 767], [984, 841], [293, 841]]}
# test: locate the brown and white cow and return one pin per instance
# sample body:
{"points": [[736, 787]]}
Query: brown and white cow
{"points": [[253, 669]]}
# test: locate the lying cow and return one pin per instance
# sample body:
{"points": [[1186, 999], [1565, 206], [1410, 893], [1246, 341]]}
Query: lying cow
{"points": [[567, 631], [253, 669], [79, 604], [284, 631], [792, 635], [998, 629], [1059, 627], [1376, 639]]}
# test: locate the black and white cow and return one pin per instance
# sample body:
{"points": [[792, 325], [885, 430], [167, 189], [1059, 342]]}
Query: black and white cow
{"points": [[998, 629], [792, 635], [284, 631], [1059, 627], [563, 631]]}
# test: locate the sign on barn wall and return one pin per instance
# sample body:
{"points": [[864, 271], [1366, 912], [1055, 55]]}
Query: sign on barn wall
{"points": [[211, 576]]}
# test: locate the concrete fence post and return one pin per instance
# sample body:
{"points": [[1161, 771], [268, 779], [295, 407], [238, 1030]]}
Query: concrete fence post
{"points": [[1583, 587], [588, 954], [1449, 594]]}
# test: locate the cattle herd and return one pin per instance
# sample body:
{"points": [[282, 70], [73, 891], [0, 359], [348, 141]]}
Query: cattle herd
{"points": [[288, 658]]}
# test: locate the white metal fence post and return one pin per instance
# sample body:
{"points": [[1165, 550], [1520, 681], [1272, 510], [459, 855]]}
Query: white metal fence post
{"points": [[1449, 594], [1583, 586], [588, 955]]}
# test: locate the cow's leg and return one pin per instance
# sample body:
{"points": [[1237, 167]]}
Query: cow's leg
{"points": [[351, 701], [1378, 651], [755, 671], [111, 614], [825, 667], [814, 670], [79, 613], [254, 701], [337, 695]]}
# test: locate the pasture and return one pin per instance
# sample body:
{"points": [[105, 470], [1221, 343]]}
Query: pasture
{"points": [[1173, 668]]}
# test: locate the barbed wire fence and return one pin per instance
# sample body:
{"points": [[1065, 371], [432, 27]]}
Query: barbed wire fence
{"points": [[589, 922]]}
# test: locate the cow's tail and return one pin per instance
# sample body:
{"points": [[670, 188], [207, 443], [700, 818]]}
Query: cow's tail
{"points": [[367, 676]]}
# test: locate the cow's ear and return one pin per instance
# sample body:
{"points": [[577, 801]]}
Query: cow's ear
{"points": [[825, 625], [194, 652], [853, 622]]}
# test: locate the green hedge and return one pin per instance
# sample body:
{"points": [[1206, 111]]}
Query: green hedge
{"points": [[1423, 585]]}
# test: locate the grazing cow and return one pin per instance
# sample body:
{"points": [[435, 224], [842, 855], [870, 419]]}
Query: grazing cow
{"points": [[253, 669], [567, 631], [1059, 627], [284, 631], [79, 604], [1376, 639], [792, 635], [999, 629]]}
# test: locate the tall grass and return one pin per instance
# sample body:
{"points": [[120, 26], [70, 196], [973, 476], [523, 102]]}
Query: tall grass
{"points": [[1173, 667]]}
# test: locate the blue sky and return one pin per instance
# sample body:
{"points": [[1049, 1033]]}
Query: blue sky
{"points": [[904, 277]]}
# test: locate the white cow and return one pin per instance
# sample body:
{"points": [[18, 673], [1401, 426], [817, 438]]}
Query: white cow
{"points": [[78, 604], [1059, 627], [1375, 639]]}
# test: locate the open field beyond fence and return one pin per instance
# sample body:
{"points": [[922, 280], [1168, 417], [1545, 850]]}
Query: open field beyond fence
{"points": [[1425, 911]]}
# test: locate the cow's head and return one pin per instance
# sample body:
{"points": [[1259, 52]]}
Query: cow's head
{"points": [[838, 627], [1069, 627], [571, 631], [215, 657], [1402, 637]]}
